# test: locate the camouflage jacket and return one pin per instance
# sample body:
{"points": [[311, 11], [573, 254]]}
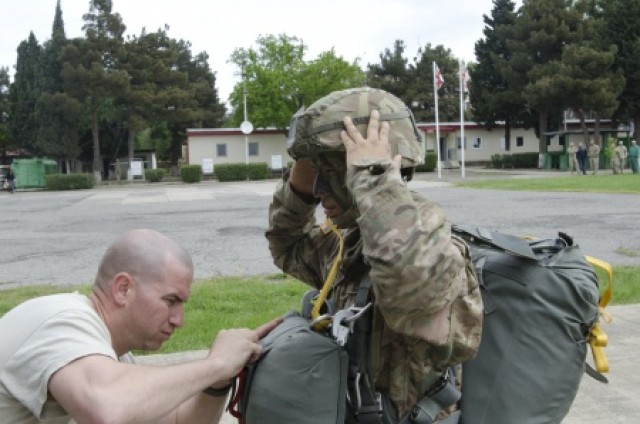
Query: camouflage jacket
{"points": [[428, 310]]}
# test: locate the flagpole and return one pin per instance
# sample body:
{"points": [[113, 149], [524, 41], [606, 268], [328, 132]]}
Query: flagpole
{"points": [[462, 78], [435, 97]]}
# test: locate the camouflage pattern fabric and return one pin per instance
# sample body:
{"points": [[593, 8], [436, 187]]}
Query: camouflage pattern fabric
{"points": [[573, 159], [317, 130], [428, 309], [594, 157]]}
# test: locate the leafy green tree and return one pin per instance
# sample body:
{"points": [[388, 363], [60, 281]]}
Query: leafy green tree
{"points": [[495, 91], [328, 73], [621, 29], [419, 95], [90, 71], [5, 132], [536, 41], [24, 93], [278, 81], [392, 74], [588, 83], [413, 83], [187, 96], [59, 116], [59, 130]]}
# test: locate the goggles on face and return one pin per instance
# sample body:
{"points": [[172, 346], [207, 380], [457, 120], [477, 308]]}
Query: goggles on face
{"points": [[330, 178]]}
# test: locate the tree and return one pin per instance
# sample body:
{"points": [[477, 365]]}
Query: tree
{"points": [[278, 81], [413, 83], [536, 40], [187, 96], [621, 29], [58, 115], [419, 95], [496, 91], [90, 71], [24, 93], [392, 73], [5, 132]]}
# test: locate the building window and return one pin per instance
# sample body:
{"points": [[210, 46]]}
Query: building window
{"points": [[221, 150], [477, 143], [465, 143], [519, 141], [253, 149]]}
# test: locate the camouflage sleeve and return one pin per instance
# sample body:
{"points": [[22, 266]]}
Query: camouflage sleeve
{"points": [[295, 241], [422, 277]]}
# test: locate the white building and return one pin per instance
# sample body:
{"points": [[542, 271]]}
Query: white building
{"points": [[206, 146]]}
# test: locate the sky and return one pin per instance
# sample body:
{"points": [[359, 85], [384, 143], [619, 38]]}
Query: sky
{"points": [[353, 28]]}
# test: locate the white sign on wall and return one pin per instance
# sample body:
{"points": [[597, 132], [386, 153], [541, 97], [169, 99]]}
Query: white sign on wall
{"points": [[276, 161], [207, 166], [136, 168]]}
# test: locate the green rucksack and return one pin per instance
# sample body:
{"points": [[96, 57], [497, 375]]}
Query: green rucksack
{"points": [[301, 377], [541, 300]]}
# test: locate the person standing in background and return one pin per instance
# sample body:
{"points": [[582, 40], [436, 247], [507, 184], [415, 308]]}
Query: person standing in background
{"points": [[594, 157]]}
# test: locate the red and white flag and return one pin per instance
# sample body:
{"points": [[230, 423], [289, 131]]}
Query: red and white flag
{"points": [[438, 79]]}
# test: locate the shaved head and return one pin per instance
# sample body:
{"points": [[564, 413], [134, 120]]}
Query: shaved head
{"points": [[142, 253]]}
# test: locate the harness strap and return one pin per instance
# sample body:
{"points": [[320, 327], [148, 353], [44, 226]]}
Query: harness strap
{"points": [[366, 403]]}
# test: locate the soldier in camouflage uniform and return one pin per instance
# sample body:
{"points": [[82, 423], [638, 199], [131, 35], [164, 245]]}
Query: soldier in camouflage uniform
{"points": [[573, 160], [427, 310], [594, 157], [619, 158]]}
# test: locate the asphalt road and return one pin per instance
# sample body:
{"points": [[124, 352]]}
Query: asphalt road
{"points": [[59, 237]]}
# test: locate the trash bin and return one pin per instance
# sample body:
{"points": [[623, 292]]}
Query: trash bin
{"points": [[30, 173]]}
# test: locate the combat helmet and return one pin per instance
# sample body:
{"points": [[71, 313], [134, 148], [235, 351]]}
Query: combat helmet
{"points": [[316, 130]]}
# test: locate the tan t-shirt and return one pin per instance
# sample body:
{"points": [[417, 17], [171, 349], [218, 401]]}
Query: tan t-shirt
{"points": [[39, 337]]}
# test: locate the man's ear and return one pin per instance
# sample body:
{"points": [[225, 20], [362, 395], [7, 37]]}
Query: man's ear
{"points": [[122, 288]]}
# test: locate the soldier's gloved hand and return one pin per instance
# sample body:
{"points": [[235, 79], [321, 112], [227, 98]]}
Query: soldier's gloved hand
{"points": [[374, 147]]}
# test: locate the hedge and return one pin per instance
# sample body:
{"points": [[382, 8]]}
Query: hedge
{"points": [[69, 181], [516, 160], [242, 171], [231, 172], [191, 173], [258, 171], [430, 162], [154, 175]]}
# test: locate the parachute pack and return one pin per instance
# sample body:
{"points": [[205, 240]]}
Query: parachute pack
{"points": [[542, 308]]}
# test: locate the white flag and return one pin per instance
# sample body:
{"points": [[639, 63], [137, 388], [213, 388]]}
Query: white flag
{"points": [[438, 79]]}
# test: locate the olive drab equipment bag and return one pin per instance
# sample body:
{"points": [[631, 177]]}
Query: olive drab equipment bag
{"points": [[541, 301], [301, 377]]}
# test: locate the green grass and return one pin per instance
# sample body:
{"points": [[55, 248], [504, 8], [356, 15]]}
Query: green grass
{"points": [[601, 183], [248, 302]]}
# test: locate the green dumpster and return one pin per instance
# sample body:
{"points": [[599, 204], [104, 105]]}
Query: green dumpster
{"points": [[30, 173]]}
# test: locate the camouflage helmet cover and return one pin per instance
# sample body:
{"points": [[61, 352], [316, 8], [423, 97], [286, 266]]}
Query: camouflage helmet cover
{"points": [[317, 130]]}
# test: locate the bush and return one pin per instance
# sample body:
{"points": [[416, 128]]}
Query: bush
{"points": [[507, 161], [69, 181], [430, 162], [231, 172], [191, 173], [525, 160], [497, 161], [258, 171], [154, 175]]}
